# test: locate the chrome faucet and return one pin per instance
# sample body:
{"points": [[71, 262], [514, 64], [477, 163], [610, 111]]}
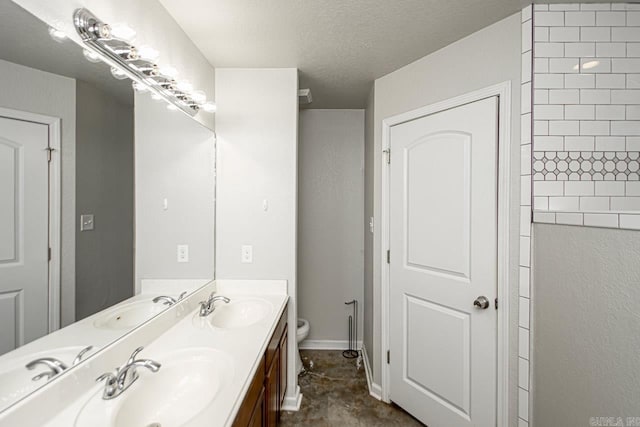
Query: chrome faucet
{"points": [[78, 358], [207, 307], [118, 382], [167, 300], [55, 366]]}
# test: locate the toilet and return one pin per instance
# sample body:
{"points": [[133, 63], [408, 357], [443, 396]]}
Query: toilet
{"points": [[301, 334]]}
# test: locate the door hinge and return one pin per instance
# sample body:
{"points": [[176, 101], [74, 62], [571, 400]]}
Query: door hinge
{"points": [[388, 154], [496, 302], [49, 150], [388, 256], [49, 254], [388, 357]]}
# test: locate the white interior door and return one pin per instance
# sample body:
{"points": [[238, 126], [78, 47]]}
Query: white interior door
{"points": [[24, 213], [443, 243]]}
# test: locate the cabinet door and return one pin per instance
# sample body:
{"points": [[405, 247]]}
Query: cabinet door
{"points": [[257, 417], [282, 383], [271, 391]]}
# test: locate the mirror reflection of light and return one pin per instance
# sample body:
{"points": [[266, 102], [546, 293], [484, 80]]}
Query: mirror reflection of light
{"points": [[199, 97], [184, 86], [123, 32], [138, 87], [171, 107], [148, 53], [168, 70], [209, 107], [91, 56], [118, 73], [57, 35]]}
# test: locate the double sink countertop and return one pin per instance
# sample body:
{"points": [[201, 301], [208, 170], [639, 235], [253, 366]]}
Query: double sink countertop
{"points": [[207, 365]]}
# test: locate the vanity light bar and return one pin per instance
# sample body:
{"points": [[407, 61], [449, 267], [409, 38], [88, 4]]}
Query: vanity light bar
{"points": [[118, 53]]}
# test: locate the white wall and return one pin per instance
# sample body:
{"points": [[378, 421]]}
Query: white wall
{"points": [[368, 232], [330, 225], [154, 27], [27, 89], [485, 58], [257, 130], [174, 160]]}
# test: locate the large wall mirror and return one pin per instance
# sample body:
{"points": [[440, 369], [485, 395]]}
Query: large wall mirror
{"points": [[68, 173]]}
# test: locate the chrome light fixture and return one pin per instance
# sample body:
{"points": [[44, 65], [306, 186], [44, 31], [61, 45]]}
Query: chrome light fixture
{"points": [[114, 47]]}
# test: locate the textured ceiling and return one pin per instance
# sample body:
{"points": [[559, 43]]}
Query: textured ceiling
{"points": [[24, 40], [339, 46]]}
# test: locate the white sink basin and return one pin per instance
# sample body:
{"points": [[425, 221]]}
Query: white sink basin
{"points": [[240, 313], [16, 380], [129, 315], [188, 381]]}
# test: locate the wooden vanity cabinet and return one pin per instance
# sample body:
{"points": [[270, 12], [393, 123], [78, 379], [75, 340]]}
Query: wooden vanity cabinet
{"points": [[252, 411], [262, 404]]}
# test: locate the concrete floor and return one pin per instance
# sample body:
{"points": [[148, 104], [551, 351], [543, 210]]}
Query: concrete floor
{"points": [[336, 394]]}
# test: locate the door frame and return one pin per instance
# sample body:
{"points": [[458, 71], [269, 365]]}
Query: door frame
{"points": [[54, 137], [503, 92]]}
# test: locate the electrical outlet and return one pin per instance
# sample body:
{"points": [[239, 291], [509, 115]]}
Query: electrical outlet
{"points": [[247, 254], [183, 253]]}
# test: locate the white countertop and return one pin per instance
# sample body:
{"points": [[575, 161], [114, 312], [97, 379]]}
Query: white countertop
{"points": [[244, 347]]}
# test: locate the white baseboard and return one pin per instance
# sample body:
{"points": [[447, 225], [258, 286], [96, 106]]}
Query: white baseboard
{"points": [[292, 403], [374, 389], [326, 345]]}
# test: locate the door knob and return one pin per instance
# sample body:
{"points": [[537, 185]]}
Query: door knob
{"points": [[482, 302]]}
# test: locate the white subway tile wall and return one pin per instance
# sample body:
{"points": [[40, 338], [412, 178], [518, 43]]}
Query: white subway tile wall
{"points": [[543, 98], [586, 113]]}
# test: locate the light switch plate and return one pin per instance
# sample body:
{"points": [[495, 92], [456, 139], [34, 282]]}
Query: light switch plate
{"points": [[86, 222]]}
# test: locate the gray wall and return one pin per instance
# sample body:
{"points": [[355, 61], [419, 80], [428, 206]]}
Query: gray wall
{"points": [[104, 188], [368, 233], [27, 89], [174, 160], [586, 334], [330, 230], [487, 57]]}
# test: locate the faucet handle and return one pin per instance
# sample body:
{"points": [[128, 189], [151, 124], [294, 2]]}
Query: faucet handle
{"points": [[108, 376], [78, 358], [182, 295], [132, 358]]}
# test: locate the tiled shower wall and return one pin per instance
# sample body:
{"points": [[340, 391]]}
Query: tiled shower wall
{"points": [[525, 222], [586, 114]]}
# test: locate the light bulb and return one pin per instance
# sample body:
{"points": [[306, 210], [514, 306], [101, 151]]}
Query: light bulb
{"points": [[57, 35], [118, 73], [209, 107], [168, 71], [91, 56], [199, 97], [184, 86], [123, 32], [139, 87], [171, 107], [148, 53]]}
